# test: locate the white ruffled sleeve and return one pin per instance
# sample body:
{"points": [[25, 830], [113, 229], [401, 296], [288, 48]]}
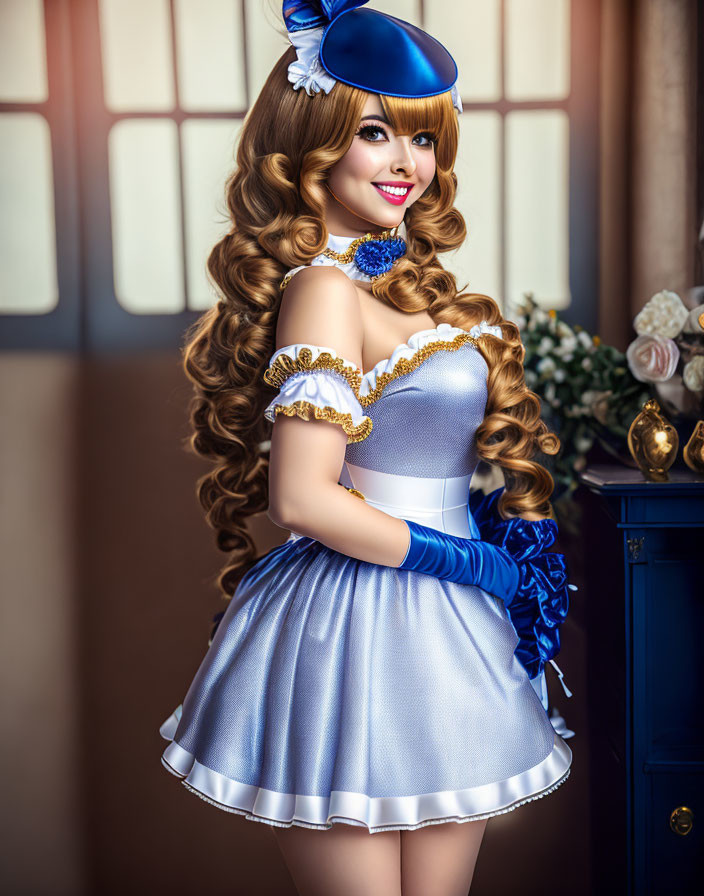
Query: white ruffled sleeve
{"points": [[485, 327], [315, 383]]}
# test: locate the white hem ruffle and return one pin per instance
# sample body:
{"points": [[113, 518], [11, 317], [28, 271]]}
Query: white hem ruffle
{"points": [[375, 813]]}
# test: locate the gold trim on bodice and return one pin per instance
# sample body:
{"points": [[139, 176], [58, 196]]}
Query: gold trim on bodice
{"points": [[284, 365], [406, 365]]}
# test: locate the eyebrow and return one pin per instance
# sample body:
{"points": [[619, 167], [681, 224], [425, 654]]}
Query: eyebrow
{"points": [[376, 118]]}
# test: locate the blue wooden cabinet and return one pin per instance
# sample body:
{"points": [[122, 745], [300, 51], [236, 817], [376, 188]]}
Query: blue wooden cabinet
{"points": [[644, 578]]}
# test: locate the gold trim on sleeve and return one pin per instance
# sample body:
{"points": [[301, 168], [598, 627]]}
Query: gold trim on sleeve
{"points": [[306, 410], [285, 366]]}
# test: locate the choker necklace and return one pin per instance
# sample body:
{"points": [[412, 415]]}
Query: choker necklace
{"points": [[373, 254]]}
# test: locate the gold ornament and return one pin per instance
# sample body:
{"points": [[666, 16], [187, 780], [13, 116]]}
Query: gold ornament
{"points": [[653, 442], [348, 255], [693, 452]]}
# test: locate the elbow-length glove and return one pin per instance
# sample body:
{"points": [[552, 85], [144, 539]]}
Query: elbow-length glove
{"points": [[541, 601], [463, 560]]}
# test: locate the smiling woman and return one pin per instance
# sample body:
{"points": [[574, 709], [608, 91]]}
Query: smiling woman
{"points": [[364, 678]]}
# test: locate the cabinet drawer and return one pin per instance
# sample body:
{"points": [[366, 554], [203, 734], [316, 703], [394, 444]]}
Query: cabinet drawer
{"points": [[676, 860], [685, 509]]}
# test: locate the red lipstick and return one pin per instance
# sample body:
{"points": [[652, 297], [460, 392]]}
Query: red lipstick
{"points": [[393, 197]]}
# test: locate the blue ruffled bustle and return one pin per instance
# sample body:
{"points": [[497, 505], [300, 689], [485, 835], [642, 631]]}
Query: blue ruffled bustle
{"points": [[541, 602]]}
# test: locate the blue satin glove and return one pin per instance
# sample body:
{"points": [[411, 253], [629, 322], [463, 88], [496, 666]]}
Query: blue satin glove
{"points": [[541, 601], [463, 560]]}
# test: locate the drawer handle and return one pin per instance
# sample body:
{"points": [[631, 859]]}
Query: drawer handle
{"points": [[682, 820]]}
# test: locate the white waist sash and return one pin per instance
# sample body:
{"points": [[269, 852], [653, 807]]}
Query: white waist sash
{"points": [[441, 504]]}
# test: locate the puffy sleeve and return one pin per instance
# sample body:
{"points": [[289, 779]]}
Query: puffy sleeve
{"points": [[315, 383]]}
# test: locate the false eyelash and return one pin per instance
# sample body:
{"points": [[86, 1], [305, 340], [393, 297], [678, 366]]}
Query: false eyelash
{"points": [[374, 127]]}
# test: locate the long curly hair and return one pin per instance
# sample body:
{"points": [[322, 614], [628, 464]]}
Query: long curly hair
{"points": [[276, 200]]}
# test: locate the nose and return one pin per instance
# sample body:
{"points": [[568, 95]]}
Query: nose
{"points": [[404, 160]]}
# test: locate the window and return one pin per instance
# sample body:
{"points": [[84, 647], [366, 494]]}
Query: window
{"points": [[115, 188]]}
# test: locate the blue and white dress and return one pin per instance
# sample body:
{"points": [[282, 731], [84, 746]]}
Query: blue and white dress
{"points": [[341, 691]]}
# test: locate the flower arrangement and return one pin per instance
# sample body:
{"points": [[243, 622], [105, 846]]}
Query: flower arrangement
{"points": [[587, 390], [668, 353]]}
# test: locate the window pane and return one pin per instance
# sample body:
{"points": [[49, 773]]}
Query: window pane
{"points": [[266, 41], [146, 216], [22, 52], [537, 181], [537, 49], [470, 29], [210, 58], [478, 261], [137, 61], [28, 282], [408, 10], [208, 158]]}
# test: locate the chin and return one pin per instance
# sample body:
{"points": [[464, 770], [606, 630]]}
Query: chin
{"points": [[388, 221]]}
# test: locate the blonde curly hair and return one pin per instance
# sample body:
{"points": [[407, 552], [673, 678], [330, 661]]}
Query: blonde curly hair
{"points": [[275, 197]]}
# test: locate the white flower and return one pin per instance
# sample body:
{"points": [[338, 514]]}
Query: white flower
{"points": [[693, 374], [583, 444], [546, 345], [587, 363], [664, 315], [585, 339], [563, 329], [540, 316], [597, 403], [559, 375], [566, 346], [546, 367], [695, 321], [531, 378], [550, 392]]}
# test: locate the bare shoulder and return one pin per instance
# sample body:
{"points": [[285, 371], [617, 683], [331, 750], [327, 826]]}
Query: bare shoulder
{"points": [[320, 306]]}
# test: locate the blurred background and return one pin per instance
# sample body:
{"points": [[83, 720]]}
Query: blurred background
{"points": [[581, 178]]}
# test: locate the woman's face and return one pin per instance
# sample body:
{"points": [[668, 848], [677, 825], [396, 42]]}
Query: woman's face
{"points": [[379, 177]]}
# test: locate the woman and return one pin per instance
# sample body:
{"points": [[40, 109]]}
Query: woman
{"points": [[373, 674]]}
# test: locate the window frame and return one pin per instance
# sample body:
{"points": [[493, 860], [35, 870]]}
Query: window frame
{"points": [[89, 316]]}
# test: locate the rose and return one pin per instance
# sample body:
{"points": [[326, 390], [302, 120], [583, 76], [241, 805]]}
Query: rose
{"points": [[652, 359], [693, 374], [664, 315]]}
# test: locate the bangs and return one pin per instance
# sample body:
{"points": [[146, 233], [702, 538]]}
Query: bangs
{"points": [[436, 114]]}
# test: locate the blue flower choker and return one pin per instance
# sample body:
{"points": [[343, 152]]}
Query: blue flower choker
{"points": [[373, 254]]}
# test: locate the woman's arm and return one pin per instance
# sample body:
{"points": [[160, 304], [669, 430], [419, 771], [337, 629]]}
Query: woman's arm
{"points": [[320, 306]]}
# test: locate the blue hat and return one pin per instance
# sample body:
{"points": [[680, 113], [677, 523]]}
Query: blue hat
{"points": [[337, 41]]}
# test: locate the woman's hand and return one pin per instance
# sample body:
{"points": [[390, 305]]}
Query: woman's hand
{"points": [[466, 561]]}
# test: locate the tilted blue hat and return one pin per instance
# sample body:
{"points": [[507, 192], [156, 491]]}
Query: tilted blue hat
{"points": [[335, 40]]}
